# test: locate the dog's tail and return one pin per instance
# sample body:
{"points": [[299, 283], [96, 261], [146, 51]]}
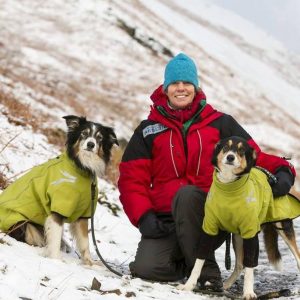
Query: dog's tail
{"points": [[271, 245]]}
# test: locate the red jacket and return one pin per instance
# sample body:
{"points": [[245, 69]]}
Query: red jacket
{"points": [[165, 153]]}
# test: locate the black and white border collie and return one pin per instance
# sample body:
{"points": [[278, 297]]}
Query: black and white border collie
{"points": [[89, 146], [233, 158]]}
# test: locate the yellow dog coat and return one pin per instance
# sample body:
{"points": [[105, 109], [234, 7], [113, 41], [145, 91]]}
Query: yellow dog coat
{"points": [[243, 205]]}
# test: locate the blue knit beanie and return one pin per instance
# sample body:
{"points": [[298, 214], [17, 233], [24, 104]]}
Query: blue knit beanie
{"points": [[181, 68]]}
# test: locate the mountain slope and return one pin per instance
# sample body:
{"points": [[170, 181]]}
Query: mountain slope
{"points": [[100, 58]]}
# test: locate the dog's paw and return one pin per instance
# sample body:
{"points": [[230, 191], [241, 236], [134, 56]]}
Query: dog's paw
{"points": [[97, 263], [227, 285], [249, 296], [185, 287], [91, 262], [180, 287], [52, 254]]}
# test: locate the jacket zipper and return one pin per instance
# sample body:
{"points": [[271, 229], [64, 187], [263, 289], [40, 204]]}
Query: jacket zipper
{"points": [[172, 154], [186, 152], [200, 152]]}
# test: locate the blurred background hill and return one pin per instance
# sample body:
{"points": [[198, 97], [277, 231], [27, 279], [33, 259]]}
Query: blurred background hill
{"points": [[102, 59]]}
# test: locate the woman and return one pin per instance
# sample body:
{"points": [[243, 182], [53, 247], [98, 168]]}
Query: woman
{"points": [[166, 172]]}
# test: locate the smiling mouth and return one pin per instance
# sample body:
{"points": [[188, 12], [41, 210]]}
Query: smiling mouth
{"points": [[181, 96]]}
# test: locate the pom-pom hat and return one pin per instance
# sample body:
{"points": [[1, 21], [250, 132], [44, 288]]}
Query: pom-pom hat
{"points": [[181, 68]]}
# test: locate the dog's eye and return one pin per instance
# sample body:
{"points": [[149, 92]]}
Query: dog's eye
{"points": [[226, 148], [84, 134], [99, 138]]}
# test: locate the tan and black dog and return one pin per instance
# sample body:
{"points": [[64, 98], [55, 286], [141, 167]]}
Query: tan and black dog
{"points": [[240, 201]]}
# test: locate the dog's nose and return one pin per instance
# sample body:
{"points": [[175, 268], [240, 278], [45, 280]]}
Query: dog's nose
{"points": [[230, 158], [90, 145]]}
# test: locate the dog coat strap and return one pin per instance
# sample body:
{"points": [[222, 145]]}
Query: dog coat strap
{"points": [[93, 191], [93, 194], [271, 178]]}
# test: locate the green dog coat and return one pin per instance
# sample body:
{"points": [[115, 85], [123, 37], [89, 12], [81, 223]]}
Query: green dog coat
{"points": [[58, 186], [242, 206]]}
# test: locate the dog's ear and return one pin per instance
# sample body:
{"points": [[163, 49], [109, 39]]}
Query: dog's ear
{"points": [[113, 139], [214, 159], [250, 158], [112, 136], [73, 121], [254, 156]]}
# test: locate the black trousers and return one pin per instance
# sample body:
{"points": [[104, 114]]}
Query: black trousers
{"points": [[172, 257]]}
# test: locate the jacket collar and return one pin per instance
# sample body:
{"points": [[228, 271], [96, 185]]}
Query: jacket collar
{"points": [[161, 111]]}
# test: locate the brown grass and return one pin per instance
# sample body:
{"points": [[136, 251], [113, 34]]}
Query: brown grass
{"points": [[18, 113], [21, 115], [55, 136], [3, 181]]}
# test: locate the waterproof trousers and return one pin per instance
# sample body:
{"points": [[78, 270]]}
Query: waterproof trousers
{"points": [[172, 257]]}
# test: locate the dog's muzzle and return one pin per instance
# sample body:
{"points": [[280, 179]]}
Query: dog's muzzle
{"points": [[230, 159], [90, 146]]}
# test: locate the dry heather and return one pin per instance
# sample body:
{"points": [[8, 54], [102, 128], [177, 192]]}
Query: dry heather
{"points": [[21, 114], [55, 136], [3, 181], [18, 113]]}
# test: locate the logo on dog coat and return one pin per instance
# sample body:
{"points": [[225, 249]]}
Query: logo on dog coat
{"points": [[68, 178], [250, 198]]}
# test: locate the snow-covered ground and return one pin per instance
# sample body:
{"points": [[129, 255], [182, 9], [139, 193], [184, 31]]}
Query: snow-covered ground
{"points": [[26, 274], [77, 57]]}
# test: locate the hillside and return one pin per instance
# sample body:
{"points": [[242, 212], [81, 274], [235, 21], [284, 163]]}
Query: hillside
{"points": [[102, 59]]}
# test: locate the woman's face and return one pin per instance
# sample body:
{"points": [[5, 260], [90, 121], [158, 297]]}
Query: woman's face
{"points": [[181, 94]]}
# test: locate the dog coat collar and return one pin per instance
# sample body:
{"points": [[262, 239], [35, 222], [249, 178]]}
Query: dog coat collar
{"points": [[231, 186]]}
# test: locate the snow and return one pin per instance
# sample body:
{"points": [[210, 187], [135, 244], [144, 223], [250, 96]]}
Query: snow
{"points": [[252, 69], [77, 44], [237, 25], [21, 149]]}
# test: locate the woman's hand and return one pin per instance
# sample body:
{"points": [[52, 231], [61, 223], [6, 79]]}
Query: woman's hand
{"points": [[285, 181]]}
